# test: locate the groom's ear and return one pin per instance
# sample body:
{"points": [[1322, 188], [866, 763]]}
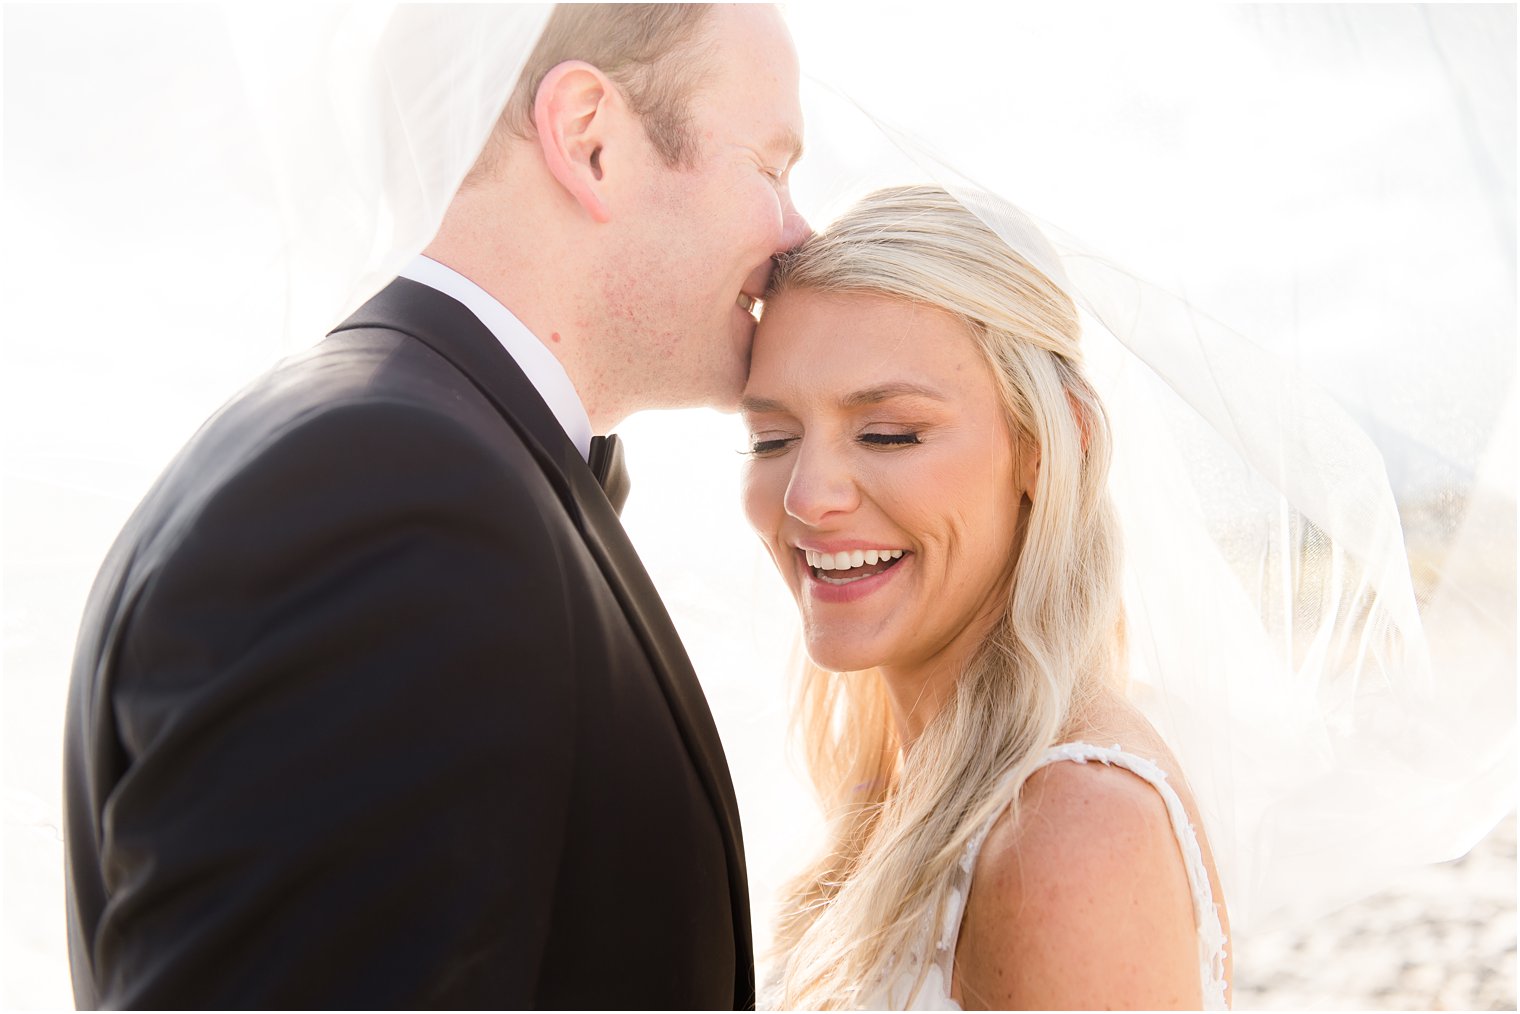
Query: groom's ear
{"points": [[570, 113]]}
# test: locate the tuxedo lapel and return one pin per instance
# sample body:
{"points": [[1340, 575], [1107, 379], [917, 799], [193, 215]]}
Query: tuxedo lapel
{"points": [[456, 334]]}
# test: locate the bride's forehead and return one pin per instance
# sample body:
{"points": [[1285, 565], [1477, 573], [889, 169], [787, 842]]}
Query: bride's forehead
{"points": [[855, 310], [826, 370], [861, 332]]}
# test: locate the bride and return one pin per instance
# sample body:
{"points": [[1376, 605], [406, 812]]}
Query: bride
{"points": [[929, 474]]}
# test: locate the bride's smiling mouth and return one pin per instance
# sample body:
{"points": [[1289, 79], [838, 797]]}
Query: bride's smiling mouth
{"points": [[848, 574]]}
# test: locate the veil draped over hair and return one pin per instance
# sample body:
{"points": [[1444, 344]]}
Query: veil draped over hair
{"points": [[1296, 272], [1297, 283]]}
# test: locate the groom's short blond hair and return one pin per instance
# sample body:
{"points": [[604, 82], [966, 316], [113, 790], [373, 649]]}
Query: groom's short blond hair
{"points": [[652, 52]]}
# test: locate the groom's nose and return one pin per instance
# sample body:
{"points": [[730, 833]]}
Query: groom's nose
{"points": [[794, 228]]}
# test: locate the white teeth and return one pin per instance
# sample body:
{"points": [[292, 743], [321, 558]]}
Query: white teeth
{"points": [[850, 559]]}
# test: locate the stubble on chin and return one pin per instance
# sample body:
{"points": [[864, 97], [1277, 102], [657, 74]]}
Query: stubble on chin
{"points": [[725, 396], [707, 369], [655, 359], [743, 345]]}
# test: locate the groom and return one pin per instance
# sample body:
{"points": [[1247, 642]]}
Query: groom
{"points": [[373, 704]]}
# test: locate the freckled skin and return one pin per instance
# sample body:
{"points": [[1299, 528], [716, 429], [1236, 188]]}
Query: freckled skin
{"points": [[953, 501], [639, 267], [1083, 901], [666, 301]]}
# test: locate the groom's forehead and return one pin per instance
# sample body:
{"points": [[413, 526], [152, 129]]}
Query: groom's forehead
{"points": [[753, 78]]}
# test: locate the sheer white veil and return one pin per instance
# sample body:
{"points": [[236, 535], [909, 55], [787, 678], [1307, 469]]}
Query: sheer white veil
{"points": [[1315, 444], [190, 192], [1315, 441]]}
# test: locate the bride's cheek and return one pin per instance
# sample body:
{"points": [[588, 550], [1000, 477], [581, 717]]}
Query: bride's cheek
{"points": [[760, 501]]}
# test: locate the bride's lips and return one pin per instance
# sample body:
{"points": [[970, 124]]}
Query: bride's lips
{"points": [[854, 590]]}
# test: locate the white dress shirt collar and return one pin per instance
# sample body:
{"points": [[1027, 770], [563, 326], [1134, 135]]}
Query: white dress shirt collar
{"points": [[537, 362]]}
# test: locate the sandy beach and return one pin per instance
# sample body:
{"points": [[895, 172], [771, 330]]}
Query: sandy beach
{"points": [[1441, 938]]}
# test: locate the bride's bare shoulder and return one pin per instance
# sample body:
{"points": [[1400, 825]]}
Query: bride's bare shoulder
{"points": [[1080, 900]]}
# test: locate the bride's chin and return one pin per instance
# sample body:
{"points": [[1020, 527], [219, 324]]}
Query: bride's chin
{"points": [[834, 657]]}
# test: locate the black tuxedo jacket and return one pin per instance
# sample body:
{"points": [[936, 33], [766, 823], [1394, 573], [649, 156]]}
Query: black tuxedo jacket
{"points": [[374, 706]]}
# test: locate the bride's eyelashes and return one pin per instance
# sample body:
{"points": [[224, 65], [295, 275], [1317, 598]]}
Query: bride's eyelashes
{"points": [[762, 447], [890, 439], [767, 446]]}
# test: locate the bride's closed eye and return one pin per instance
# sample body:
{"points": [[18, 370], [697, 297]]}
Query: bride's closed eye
{"points": [[890, 439], [764, 445]]}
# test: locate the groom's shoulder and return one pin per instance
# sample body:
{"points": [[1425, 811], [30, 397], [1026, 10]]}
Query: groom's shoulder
{"points": [[366, 421], [374, 366], [384, 378]]}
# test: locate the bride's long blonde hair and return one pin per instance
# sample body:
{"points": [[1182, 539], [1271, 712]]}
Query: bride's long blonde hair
{"points": [[899, 820]]}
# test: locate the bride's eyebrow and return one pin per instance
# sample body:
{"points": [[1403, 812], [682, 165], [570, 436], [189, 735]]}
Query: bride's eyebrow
{"points": [[886, 392], [856, 399]]}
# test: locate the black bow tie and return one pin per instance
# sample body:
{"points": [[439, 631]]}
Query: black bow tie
{"points": [[607, 465]]}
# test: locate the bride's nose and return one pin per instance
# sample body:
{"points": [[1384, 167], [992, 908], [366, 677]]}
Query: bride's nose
{"points": [[821, 486]]}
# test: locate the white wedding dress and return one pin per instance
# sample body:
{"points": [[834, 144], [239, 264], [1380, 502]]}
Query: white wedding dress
{"points": [[938, 947]]}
